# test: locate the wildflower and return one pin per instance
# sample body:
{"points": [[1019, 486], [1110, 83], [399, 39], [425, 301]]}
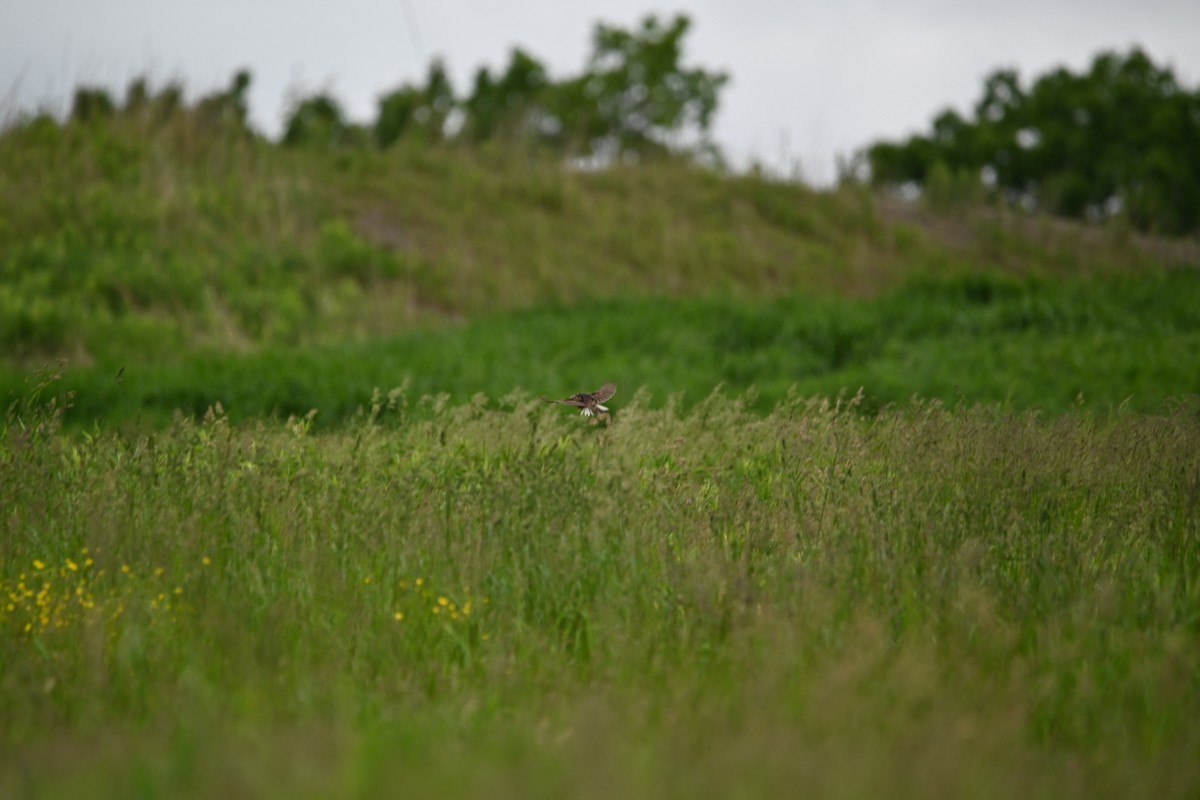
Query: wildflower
{"points": [[206, 561], [125, 568], [178, 590], [367, 579], [420, 581], [37, 564], [443, 601], [158, 571], [71, 565], [398, 616]]}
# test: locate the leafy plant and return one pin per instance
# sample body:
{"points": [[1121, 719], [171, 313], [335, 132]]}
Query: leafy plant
{"points": [[1116, 140]]}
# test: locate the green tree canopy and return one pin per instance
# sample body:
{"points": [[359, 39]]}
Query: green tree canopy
{"points": [[1122, 138], [511, 105], [635, 95], [316, 121], [421, 111]]}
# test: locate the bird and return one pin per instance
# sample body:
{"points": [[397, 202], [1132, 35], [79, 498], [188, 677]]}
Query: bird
{"points": [[590, 403]]}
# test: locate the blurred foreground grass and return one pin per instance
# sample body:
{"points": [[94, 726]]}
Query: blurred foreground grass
{"points": [[711, 603]]}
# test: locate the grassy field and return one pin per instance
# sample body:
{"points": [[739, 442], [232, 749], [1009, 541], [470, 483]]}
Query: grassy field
{"points": [[292, 522], [1057, 345], [511, 603]]}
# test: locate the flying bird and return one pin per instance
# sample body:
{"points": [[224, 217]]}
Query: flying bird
{"points": [[590, 403]]}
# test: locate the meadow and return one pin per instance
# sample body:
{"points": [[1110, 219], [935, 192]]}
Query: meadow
{"points": [[1090, 345], [282, 515], [507, 602]]}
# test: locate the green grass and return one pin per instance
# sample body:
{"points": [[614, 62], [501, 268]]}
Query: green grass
{"points": [[517, 603], [1052, 344], [978, 577], [135, 239]]}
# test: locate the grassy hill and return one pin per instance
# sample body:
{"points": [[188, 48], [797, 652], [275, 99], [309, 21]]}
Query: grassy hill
{"points": [[201, 259]]}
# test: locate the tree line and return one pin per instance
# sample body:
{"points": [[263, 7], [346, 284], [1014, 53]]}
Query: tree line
{"points": [[1120, 139], [634, 97]]}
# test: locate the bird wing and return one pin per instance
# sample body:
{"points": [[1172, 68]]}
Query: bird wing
{"points": [[604, 392]]}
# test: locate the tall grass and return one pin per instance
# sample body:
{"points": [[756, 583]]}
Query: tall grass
{"points": [[504, 601]]}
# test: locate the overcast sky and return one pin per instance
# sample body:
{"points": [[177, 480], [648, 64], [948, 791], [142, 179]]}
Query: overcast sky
{"points": [[810, 80]]}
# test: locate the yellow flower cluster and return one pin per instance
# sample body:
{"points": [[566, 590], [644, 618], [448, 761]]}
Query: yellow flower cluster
{"points": [[47, 598], [50, 597], [425, 599]]}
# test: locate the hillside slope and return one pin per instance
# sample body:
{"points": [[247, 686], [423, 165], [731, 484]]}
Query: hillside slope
{"points": [[210, 266], [129, 238]]}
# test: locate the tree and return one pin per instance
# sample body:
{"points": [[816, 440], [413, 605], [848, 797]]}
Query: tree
{"points": [[421, 111], [635, 96], [91, 104], [316, 121], [1122, 138], [511, 106], [227, 109]]}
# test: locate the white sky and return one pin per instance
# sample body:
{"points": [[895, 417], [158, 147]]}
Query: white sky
{"points": [[810, 80]]}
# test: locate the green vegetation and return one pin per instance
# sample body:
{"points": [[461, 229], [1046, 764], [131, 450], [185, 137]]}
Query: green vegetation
{"points": [[1116, 141], [634, 98], [213, 266], [700, 604], [979, 575], [1024, 343]]}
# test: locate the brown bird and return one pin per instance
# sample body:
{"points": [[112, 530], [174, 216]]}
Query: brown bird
{"points": [[590, 403]]}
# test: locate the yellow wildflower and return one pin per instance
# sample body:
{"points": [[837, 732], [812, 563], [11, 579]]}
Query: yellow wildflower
{"points": [[399, 615], [37, 564]]}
